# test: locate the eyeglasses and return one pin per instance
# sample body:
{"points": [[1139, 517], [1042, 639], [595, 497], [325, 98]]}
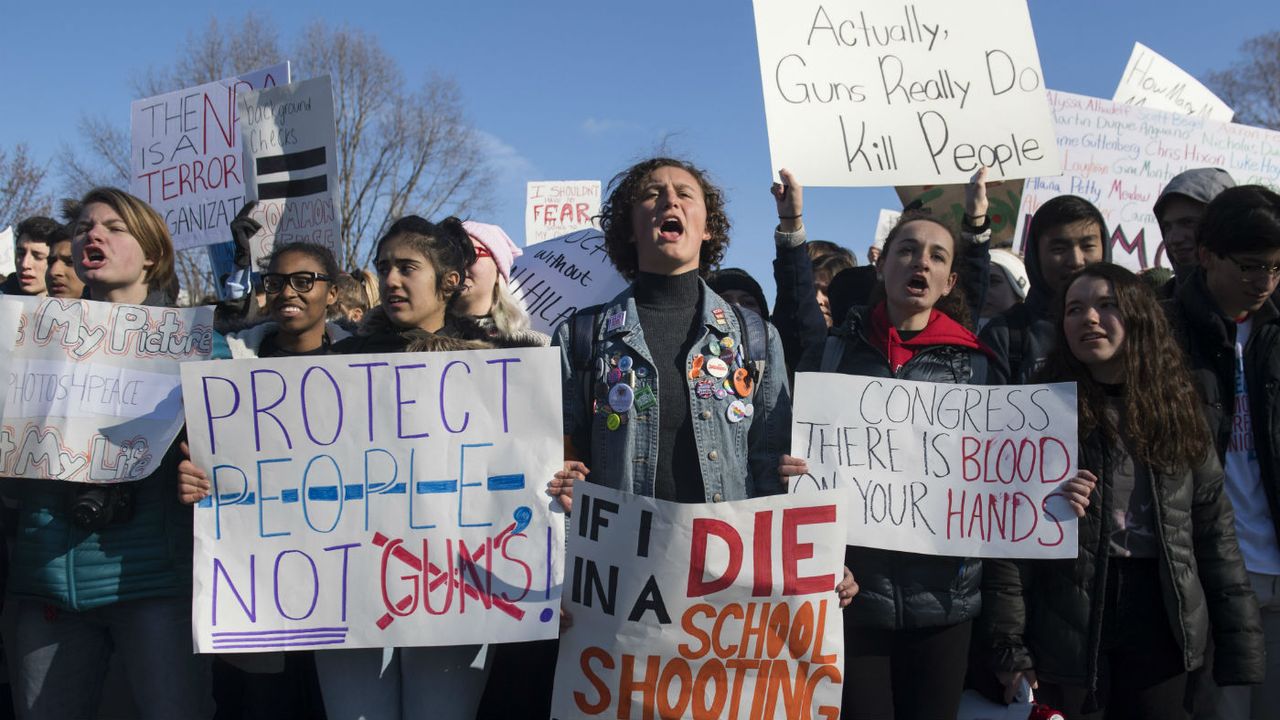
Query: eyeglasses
{"points": [[300, 281], [1255, 270]]}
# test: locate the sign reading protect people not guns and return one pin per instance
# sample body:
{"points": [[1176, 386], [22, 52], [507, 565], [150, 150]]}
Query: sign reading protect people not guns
{"points": [[702, 611], [186, 157], [940, 469], [860, 93], [94, 390], [376, 500]]}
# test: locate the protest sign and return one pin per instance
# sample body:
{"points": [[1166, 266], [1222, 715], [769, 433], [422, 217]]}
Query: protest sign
{"points": [[94, 388], [699, 611], [910, 93], [884, 224], [1119, 157], [376, 500], [7, 265], [558, 208], [291, 165], [946, 202], [185, 160], [960, 470], [564, 274], [1151, 81]]}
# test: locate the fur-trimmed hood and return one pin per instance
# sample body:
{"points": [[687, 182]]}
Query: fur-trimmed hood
{"points": [[378, 334]]}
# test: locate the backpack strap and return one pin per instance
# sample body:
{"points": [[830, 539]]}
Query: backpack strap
{"points": [[584, 325], [755, 343]]}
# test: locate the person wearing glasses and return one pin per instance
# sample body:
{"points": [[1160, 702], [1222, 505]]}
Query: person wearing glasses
{"points": [[1229, 326], [299, 283]]}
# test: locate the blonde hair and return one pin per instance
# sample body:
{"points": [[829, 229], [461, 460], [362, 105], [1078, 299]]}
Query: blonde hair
{"points": [[147, 227], [508, 317]]}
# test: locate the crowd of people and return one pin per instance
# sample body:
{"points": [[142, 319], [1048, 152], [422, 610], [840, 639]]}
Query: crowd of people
{"points": [[678, 388]]}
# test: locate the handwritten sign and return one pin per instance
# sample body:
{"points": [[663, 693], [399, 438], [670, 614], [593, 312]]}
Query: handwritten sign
{"points": [[562, 275], [910, 93], [558, 208], [702, 611], [1120, 156], [946, 202], [1151, 81], [291, 165], [186, 160], [7, 252], [376, 500], [960, 470], [94, 391]]}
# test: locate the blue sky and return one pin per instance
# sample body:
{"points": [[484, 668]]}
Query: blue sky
{"points": [[577, 89]]}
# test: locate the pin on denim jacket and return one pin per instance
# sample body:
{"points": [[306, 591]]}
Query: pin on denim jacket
{"points": [[738, 459]]}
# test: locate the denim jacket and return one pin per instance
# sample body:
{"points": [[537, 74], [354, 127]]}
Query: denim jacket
{"points": [[738, 460]]}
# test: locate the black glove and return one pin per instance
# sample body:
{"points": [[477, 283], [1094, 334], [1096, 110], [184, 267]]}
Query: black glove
{"points": [[244, 227]]}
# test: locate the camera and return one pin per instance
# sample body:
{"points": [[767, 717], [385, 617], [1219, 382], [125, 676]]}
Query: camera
{"points": [[97, 506]]}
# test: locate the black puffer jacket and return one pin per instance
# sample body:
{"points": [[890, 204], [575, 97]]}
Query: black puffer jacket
{"points": [[906, 590], [1046, 615], [1209, 339]]}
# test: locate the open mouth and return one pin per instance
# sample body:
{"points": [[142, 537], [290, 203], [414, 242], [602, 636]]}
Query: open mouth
{"points": [[1093, 336], [93, 258], [288, 311], [395, 301], [918, 285], [671, 229]]}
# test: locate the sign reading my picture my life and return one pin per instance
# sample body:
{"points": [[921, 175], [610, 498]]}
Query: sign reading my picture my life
{"points": [[860, 93], [376, 500]]}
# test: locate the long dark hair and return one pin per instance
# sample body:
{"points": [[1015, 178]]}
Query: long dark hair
{"points": [[1161, 422], [953, 304]]}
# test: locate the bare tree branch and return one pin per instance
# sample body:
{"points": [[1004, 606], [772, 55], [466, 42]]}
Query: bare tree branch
{"points": [[1252, 85], [22, 191]]}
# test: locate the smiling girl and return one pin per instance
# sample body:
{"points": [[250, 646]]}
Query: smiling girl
{"points": [[1114, 633]]}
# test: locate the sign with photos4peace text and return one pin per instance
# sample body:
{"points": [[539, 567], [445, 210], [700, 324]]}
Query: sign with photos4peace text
{"points": [[376, 500]]}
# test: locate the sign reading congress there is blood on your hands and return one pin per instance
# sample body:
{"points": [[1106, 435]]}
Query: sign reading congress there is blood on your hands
{"points": [[864, 93], [186, 155], [962, 470], [376, 500]]}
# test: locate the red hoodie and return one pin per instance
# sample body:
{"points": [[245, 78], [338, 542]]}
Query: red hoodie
{"points": [[941, 330]]}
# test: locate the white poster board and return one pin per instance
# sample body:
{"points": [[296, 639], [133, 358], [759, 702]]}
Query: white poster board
{"points": [[7, 251], [186, 161], [864, 93], [563, 274], [1119, 157], [291, 165], [667, 591], [962, 470], [376, 500], [94, 390], [554, 208], [1150, 80], [885, 223]]}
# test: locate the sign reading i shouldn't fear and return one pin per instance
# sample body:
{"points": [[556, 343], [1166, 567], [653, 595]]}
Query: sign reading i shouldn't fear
{"points": [[376, 500]]}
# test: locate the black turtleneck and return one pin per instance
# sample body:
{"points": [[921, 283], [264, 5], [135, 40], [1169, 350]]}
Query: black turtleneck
{"points": [[668, 309]]}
